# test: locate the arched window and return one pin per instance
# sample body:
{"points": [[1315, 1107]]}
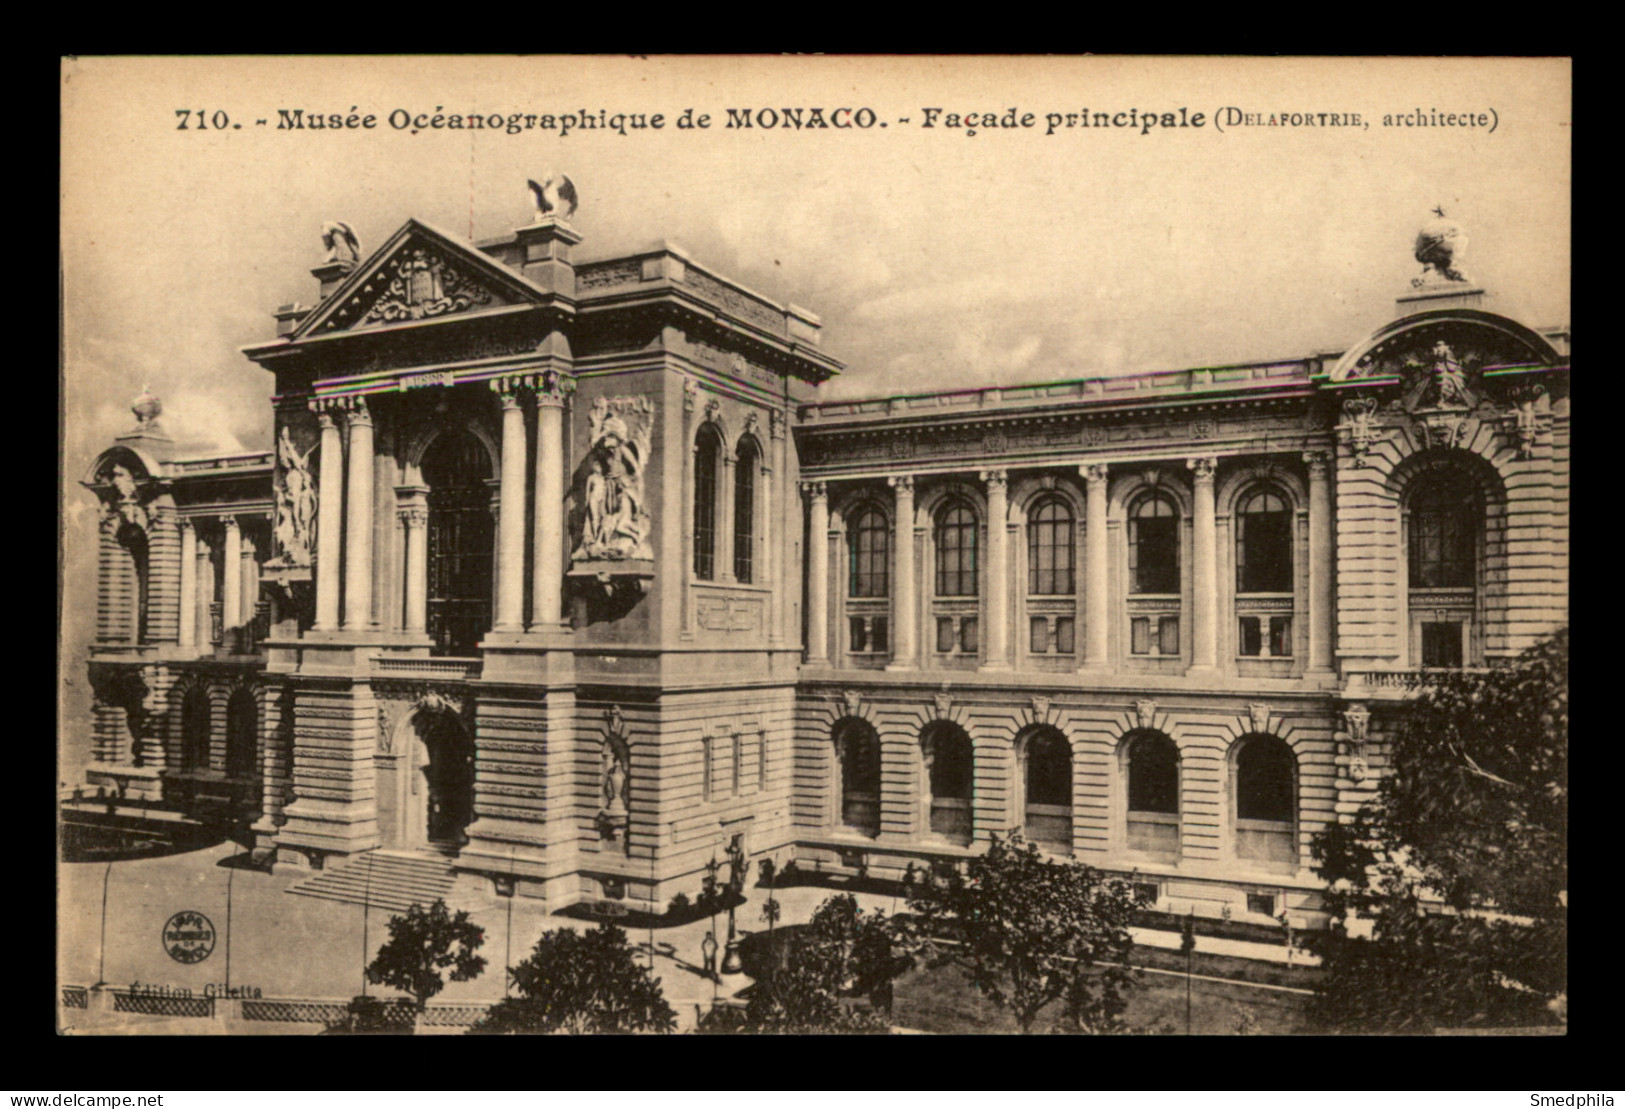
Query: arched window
{"points": [[242, 733], [1152, 769], [1047, 778], [950, 772], [745, 509], [705, 768], [956, 551], [707, 454], [1153, 545], [1264, 543], [195, 723], [1266, 800], [866, 543], [461, 542], [858, 749], [1050, 541]]}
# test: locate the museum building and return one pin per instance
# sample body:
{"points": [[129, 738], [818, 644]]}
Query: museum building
{"points": [[560, 575]]}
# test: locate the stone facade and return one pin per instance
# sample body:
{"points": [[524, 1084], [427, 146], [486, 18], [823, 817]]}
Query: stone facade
{"points": [[560, 570]]}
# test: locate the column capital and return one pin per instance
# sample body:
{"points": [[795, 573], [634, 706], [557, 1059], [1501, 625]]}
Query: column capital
{"points": [[327, 408], [183, 524], [1203, 468], [816, 490], [511, 387], [230, 523], [551, 387], [356, 412], [903, 483], [413, 514], [1319, 463], [995, 479], [1094, 472]]}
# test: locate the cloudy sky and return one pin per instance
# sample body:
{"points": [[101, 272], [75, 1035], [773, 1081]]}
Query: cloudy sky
{"points": [[936, 258]]}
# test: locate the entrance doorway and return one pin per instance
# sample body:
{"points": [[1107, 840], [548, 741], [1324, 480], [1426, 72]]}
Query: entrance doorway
{"points": [[461, 531], [443, 781]]}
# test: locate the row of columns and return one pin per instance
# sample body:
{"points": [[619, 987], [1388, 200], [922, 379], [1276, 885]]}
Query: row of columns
{"points": [[1205, 602], [240, 584], [345, 505]]}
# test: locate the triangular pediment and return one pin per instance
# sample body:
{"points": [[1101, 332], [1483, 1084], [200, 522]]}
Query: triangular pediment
{"points": [[420, 273]]}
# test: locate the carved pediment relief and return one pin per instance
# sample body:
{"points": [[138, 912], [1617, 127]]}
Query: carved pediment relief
{"points": [[1438, 359], [419, 274]]}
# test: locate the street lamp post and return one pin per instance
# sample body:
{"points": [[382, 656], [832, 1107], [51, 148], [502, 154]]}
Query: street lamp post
{"points": [[101, 972]]}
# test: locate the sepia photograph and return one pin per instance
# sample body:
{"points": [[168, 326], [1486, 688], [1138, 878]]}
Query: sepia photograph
{"points": [[816, 545]]}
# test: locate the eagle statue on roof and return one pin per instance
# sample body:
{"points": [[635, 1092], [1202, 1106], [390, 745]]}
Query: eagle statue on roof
{"points": [[341, 242], [1439, 247], [556, 191]]}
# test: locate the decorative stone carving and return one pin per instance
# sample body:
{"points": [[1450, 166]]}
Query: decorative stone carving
{"points": [[1046, 482], [1358, 770], [1439, 247], [995, 479], [1444, 428], [775, 423], [1040, 709], [944, 703], [147, 408], [295, 502], [1202, 468], [1524, 422], [713, 411], [423, 286], [1203, 427], [1094, 471], [616, 761], [815, 490], [749, 425], [555, 192], [1152, 476], [551, 387], [1357, 722], [1145, 712], [615, 523], [1258, 713], [853, 701], [1358, 426], [123, 498], [341, 244], [691, 393]]}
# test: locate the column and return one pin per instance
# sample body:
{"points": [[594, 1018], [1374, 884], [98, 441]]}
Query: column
{"points": [[1204, 571], [772, 570], [231, 586], [817, 572], [1096, 566], [547, 614], [250, 580], [205, 593], [358, 519], [329, 506], [998, 571], [415, 518], [511, 509], [1322, 589], [188, 618], [903, 619], [725, 518]]}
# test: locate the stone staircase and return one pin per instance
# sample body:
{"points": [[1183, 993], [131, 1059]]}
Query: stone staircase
{"points": [[382, 879]]}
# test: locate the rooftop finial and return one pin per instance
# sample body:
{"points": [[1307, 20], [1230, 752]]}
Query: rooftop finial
{"points": [[555, 190], [147, 408], [1439, 247]]}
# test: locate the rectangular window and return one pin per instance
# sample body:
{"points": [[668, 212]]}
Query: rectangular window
{"points": [[1261, 903], [1147, 892], [1252, 641], [945, 634], [1168, 635], [1441, 644], [1281, 636], [877, 637], [1040, 635], [761, 760], [855, 634], [1064, 635], [967, 635], [1141, 628]]}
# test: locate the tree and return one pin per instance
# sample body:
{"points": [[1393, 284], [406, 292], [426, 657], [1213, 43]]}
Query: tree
{"points": [[1461, 861], [842, 952], [423, 943], [578, 983], [1031, 930]]}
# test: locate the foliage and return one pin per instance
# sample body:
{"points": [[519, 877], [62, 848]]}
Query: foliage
{"points": [[423, 943], [678, 906], [372, 1016], [1474, 814], [843, 951], [1031, 930], [578, 983]]}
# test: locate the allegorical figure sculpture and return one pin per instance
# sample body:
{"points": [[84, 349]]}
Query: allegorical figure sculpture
{"points": [[556, 191], [296, 505], [615, 522], [341, 243], [1440, 245]]}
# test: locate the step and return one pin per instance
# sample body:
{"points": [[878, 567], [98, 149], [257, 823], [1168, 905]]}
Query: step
{"points": [[386, 880]]}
